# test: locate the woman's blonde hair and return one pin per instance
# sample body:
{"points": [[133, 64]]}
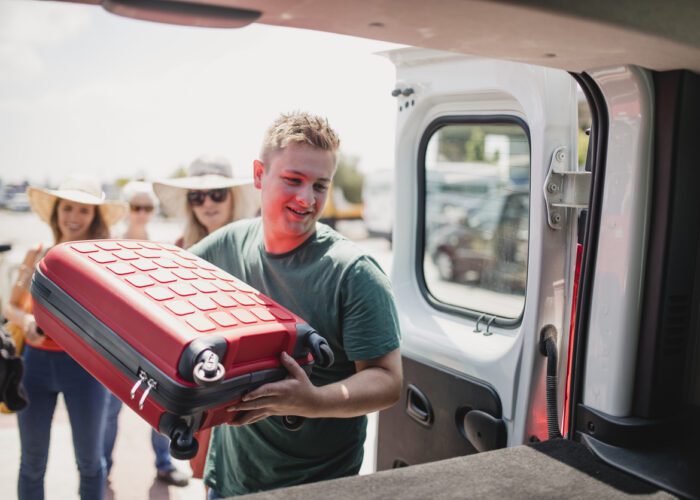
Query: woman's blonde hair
{"points": [[194, 230], [98, 228]]}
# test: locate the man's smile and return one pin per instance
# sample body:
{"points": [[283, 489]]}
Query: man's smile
{"points": [[300, 212]]}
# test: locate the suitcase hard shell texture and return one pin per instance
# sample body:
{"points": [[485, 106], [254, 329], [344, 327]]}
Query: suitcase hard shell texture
{"points": [[173, 336]]}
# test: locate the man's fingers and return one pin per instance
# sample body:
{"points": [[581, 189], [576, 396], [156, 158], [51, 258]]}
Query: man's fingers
{"points": [[264, 391], [292, 366], [254, 404]]}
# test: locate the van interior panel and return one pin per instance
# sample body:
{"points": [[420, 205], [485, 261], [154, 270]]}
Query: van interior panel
{"points": [[668, 334], [561, 34], [449, 397]]}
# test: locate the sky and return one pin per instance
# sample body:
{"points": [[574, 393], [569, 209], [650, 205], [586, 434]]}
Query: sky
{"points": [[84, 91]]}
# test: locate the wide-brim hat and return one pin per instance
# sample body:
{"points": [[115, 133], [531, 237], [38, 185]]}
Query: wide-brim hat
{"points": [[80, 189], [205, 173]]}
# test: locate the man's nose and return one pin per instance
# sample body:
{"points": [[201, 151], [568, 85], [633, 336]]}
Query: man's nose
{"points": [[306, 197]]}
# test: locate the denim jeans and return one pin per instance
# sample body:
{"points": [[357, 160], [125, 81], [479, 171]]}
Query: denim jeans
{"points": [[46, 375], [160, 443], [212, 494]]}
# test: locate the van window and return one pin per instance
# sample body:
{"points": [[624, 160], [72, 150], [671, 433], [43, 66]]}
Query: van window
{"points": [[476, 227]]}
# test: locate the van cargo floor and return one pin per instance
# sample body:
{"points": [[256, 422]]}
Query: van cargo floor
{"points": [[551, 469]]}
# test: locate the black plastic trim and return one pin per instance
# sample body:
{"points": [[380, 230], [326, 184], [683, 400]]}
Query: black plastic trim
{"points": [[659, 466], [429, 131], [595, 162], [418, 406], [666, 328], [628, 432]]}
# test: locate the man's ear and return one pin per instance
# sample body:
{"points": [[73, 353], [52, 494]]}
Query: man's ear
{"points": [[258, 171]]}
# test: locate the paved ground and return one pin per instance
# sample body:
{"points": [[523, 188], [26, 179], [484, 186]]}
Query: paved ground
{"points": [[133, 473]]}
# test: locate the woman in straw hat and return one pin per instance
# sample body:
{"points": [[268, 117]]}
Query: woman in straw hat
{"points": [[209, 198], [77, 210]]}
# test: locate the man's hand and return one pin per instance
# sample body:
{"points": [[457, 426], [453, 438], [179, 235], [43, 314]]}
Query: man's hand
{"points": [[375, 385], [295, 395]]}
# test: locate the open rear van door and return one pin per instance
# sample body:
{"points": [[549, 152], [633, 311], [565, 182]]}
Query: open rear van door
{"points": [[482, 267]]}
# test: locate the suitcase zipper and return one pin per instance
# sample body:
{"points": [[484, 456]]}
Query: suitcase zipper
{"points": [[150, 385]]}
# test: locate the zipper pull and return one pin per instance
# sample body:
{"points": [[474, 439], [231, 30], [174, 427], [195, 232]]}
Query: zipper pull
{"points": [[151, 385], [141, 380]]}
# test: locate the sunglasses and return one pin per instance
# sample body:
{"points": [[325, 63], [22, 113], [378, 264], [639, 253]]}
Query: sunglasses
{"points": [[197, 198], [142, 208]]}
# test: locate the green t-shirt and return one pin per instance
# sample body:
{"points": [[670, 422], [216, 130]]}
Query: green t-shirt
{"points": [[342, 293]]}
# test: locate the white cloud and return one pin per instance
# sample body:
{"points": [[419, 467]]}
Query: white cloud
{"points": [[19, 60], [150, 97], [39, 23], [27, 27]]}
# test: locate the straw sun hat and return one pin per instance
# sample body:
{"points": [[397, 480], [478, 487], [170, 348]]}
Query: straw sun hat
{"points": [[205, 173], [80, 189]]}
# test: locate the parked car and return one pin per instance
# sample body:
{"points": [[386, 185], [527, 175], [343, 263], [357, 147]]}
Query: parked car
{"points": [[488, 246], [18, 202], [455, 192]]}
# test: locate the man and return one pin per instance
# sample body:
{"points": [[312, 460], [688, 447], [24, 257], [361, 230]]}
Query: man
{"points": [[337, 289]]}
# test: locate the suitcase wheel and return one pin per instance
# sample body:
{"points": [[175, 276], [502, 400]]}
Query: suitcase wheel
{"points": [[183, 445], [320, 350], [208, 371], [292, 422]]}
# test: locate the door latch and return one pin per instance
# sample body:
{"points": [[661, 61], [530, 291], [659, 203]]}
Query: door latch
{"points": [[564, 188]]}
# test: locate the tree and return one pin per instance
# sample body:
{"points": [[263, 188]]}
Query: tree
{"points": [[348, 178]]}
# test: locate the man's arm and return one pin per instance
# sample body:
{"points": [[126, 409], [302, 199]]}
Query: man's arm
{"points": [[375, 385]]}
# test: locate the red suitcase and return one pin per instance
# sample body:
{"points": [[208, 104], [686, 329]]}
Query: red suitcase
{"points": [[173, 336]]}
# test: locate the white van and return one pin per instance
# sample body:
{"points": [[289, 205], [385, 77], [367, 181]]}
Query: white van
{"points": [[584, 321]]}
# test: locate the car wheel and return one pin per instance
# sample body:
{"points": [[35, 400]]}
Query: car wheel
{"points": [[445, 266]]}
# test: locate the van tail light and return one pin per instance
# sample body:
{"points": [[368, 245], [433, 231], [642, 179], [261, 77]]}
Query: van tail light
{"points": [[572, 328]]}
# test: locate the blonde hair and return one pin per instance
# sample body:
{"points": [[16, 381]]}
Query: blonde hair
{"points": [[299, 128], [133, 189], [98, 228], [194, 230]]}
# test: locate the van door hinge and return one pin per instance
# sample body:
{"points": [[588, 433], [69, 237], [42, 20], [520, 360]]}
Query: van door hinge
{"points": [[564, 189]]}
